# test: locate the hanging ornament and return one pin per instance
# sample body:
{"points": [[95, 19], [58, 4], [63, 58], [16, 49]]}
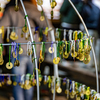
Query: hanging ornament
{"points": [[56, 60], [9, 82], [40, 34], [67, 89], [16, 8], [1, 55], [42, 16], [27, 84], [58, 83], [45, 80], [25, 28], [52, 85], [45, 32], [8, 32], [93, 93], [87, 57], [19, 80], [2, 32], [61, 46], [64, 39], [22, 35], [13, 49], [49, 81], [75, 35], [40, 2], [51, 49], [66, 54], [73, 52], [29, 49], [72, 94], [16, 55], [82, 91], [13, 35], [9, 65], [64, 81], [0, 7], [33, 80], [22, 81], [20, 49], [77, 85], [42, 52], [87, 93], [15, 83], [81, 51], [57, 35], [80, 35], [53, 3]]}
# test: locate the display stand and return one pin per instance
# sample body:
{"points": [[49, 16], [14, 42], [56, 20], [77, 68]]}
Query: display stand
{"points": [[55, 51], [55, 54], [37, 79], [97, 79]]}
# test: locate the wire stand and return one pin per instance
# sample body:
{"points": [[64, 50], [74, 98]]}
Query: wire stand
{"points": [[97, 79], [37, 79], [55, 53]]}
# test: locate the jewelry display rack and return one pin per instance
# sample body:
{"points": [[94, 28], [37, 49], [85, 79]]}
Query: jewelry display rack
{"points": [[56, 75]]}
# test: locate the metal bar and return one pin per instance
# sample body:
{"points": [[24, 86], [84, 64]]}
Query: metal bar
{"points": [[34, 28], [7, 44]]}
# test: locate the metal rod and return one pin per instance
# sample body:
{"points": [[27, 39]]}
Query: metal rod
{"points": [[55, 52], [7, 44], [9, 75], [97, 79], [37, 79], [38, 28]]}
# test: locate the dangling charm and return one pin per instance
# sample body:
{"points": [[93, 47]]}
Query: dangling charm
{"points": [[20, 49], [1, 56], [45, 80], [56, 60], [29, 49], [8, 32], [73, 52], [16, 6], [64, 39], [67, 89], [9, 82], [42, 16], [42, 51], [40, 2], [51, 49], [13, 35], [65, 54], [25, 28], [58, 88], [15, 83], [53, 3], [9, 65]]}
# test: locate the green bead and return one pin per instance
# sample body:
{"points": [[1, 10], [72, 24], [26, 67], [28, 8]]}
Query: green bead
{"points": [[52, 13]]}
